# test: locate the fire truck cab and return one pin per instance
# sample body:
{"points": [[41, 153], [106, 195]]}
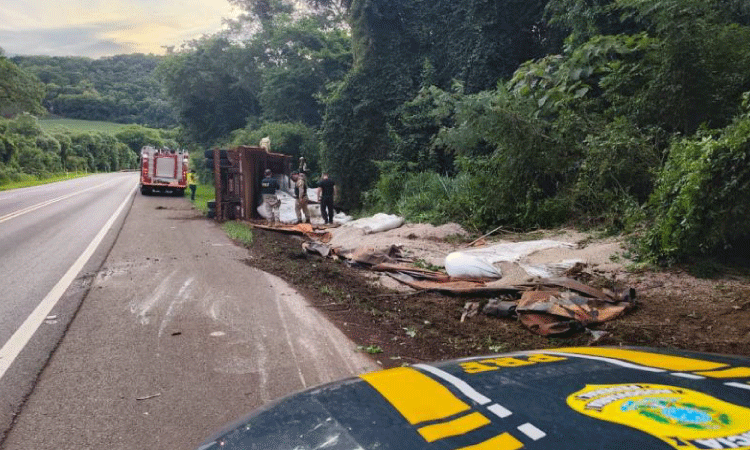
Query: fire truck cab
{"points": [[163, 170]]}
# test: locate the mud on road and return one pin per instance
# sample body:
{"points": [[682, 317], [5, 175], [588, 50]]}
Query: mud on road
{"points": [[674, 310]]}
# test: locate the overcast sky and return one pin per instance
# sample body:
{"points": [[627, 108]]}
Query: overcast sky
{"points": [[97, 28]]}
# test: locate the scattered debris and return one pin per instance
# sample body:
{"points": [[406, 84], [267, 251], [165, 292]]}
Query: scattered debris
{"points": [[596, 335], [158, 394], [470, 310], [542, 302]]}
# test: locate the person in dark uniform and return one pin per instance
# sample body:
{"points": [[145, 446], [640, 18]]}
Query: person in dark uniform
{"points": [[326, 194], [268, 187]]}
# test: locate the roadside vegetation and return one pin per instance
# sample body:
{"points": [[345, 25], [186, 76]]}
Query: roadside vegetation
{"points": [[615, 115], [30, 180], [203, 193], [239, 232]]}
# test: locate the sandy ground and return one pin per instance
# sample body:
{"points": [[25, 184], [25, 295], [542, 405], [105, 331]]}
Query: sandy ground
{"points": [[431, 244]]}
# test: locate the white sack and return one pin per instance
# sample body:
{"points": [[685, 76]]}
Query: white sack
{"points": [[377, 223], [462, 264]]}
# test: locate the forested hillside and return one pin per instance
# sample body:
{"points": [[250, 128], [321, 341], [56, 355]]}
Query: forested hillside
{"points": [[119, 89]]}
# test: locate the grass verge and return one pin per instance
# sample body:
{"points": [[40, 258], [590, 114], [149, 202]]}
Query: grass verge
{"points": [[203, 193], [33, 180], [238, 231]]}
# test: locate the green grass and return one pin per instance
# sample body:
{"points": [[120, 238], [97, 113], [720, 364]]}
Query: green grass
{"points": [[76, 125], [203, 193], [32, 180], [238, 231]]}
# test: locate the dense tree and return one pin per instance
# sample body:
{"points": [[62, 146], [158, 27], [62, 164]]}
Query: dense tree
{"points": [[476, 42], [19, 91]]}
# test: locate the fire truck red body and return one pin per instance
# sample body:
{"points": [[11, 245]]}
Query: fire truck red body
{"points": [[163, 170]]}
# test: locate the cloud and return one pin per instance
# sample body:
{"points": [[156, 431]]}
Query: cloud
{"points": [[98, 28], [69, 41]]}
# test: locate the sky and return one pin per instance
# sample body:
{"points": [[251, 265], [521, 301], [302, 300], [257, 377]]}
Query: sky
{"points": [[96, 28]]}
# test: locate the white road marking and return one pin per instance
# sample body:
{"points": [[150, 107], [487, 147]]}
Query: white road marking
{"points": [[458, 383], [689, 376], [738, 385], [21, 337], [531, 431], [29, 209]]}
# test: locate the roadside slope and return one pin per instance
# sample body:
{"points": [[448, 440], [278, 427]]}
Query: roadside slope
{"points": [[177, 337]]}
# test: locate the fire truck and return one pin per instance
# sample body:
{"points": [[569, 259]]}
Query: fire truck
{"points": [[163, 170]]}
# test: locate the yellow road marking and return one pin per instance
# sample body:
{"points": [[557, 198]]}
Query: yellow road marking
{"points": [[416, 396], [734, 372], [668, 362], [457, 427], [502, 442]]}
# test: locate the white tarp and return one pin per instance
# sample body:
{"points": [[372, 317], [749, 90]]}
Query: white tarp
{"points": [[470, 263]]}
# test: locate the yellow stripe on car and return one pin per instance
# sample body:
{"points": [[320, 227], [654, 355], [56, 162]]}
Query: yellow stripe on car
{"points": [[734, 372], [501, 442], [416, 396], [659, 361], [456, 427]]}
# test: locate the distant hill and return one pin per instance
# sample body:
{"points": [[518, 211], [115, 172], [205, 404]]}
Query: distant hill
{"points": [[122, 88]]}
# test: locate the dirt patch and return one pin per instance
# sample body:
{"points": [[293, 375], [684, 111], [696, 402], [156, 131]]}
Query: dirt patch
{"points": [[402, 326]]}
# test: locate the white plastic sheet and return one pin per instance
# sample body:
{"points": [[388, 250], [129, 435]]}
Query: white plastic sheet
{"points": [[468, 263]]}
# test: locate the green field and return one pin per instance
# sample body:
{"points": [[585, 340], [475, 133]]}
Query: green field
{"points": [[31, 180], [76, 125]]}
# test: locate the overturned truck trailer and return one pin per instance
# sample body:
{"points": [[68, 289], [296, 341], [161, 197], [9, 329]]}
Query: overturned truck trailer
{"points": [[237, 175]]}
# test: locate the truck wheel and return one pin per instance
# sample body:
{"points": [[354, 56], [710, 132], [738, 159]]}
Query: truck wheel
{"points": [[145, 190], [179, 192]]}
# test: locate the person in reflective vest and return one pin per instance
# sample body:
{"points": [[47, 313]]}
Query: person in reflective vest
{"points": [[192, 179]]}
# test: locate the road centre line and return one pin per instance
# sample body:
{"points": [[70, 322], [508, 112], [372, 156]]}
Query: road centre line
{"points": [[738, 385], [13, 347], [29, 209]]}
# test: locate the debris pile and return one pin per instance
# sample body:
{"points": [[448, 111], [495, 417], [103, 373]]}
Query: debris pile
{"points": [[507, 277]]}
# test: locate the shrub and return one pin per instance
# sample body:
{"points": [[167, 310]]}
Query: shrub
{"points": [[702, 198]]}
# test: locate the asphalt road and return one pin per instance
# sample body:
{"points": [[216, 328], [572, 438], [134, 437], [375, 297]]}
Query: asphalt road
{"points": [[44, 231], [176, 336]]}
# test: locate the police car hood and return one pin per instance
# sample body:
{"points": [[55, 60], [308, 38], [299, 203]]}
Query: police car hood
{"points": [[567, 398]]}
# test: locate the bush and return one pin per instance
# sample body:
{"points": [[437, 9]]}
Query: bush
{"points": [[702, 199]]}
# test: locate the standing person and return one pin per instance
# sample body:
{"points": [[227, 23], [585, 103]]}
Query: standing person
{"points": [[268, 187], [326, 193], [300, 196], [192, 179]]}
